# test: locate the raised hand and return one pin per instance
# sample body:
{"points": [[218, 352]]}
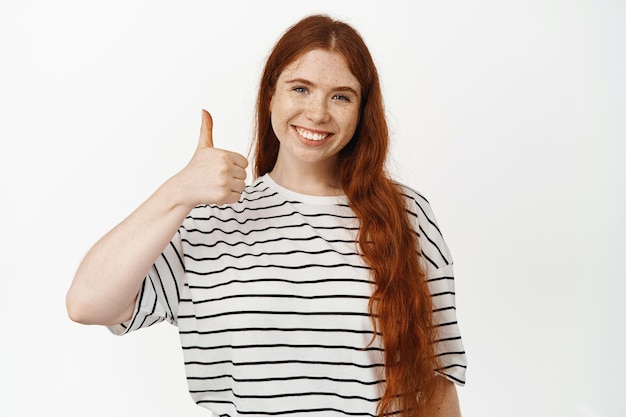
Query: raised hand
{"points": [[108, 279], [213, 176]]}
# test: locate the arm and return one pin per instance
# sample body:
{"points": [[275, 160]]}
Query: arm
{"points": [[449, 401], [108, 279]]}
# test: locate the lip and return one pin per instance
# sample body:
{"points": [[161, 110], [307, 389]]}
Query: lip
{"points": [[310, 142]]}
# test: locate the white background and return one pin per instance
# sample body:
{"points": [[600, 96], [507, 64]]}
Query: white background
{"points": [[509, 116]]}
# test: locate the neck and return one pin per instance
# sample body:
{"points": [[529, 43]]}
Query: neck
{"points": [[309, 180]]}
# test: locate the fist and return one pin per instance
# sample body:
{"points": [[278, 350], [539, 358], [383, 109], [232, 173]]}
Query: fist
{"points": [[213, 176]]}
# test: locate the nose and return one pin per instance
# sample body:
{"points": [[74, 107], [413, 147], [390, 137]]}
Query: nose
{"points": [[317, 109]]}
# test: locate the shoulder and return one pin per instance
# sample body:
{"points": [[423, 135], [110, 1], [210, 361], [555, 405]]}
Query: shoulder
{"points": [[258, 202], [258, 189], [418, 207], [256, 195], [431, 241]]}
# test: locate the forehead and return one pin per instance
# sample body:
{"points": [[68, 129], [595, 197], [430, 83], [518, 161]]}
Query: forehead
{"points": [[321, 67]]}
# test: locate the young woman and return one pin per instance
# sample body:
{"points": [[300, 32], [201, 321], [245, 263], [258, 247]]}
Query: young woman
{"points": [[324, 287]]}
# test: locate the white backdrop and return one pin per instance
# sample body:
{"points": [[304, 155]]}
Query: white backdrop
{"points": [[508, 116]]}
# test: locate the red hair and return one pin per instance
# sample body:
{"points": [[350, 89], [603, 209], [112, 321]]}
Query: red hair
{"points": [[400, 304]]}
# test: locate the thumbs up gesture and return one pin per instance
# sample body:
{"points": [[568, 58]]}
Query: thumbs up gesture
{"points": [[206, 131], [213, 176]]}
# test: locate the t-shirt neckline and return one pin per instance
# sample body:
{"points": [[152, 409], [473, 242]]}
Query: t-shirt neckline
{"points": [[304, 198]]}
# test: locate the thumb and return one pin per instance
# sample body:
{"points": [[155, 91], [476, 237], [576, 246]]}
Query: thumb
{"points": [[206, 131]]}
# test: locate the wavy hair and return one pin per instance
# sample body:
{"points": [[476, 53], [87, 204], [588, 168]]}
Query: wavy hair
{"points": [[400, 305]]}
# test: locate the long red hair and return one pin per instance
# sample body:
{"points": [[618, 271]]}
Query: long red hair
{"points": [[400, 304]]}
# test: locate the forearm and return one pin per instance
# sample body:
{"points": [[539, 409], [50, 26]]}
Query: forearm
{"points": [[449, 404], [108, 279], [106, 284]]}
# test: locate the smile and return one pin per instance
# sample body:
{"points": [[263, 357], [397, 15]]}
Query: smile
{"points": [[315, 136]]}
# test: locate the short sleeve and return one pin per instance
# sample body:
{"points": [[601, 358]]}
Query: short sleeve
{"points": [[437, 261], [159, 296], [449, 343]]}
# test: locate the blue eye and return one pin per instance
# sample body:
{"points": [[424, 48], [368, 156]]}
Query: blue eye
{"points": [[300, 90], [341, 97]]}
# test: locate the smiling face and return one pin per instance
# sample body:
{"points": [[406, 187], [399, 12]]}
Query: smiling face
{"points": [[314, 112]]}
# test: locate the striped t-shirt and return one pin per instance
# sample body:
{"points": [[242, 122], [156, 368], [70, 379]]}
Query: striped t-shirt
{"points": [[271, 300]]}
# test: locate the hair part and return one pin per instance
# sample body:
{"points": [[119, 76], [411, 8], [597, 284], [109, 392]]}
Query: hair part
{"points": [[400, 305]]}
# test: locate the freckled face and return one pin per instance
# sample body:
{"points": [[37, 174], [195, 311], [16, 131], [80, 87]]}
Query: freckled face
{"points": [[315, 110]]}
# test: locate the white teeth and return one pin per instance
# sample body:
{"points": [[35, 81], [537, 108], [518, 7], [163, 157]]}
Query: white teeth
{"points": [[311, 135]]}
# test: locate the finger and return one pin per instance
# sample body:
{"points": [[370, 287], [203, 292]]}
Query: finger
{"points": [[240, 160], [239, 173], [237, 186], [206, 131]]}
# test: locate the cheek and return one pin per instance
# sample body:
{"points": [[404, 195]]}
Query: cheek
{"points": [[278, 108], [352, 121], [274, 124], [283, 111], [277, 119]]}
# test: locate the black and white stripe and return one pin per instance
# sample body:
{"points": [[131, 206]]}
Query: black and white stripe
{"points": [[271, 300]]}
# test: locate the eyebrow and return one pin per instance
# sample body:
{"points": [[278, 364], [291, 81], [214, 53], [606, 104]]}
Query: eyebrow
{"points": [[311, 84]]}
